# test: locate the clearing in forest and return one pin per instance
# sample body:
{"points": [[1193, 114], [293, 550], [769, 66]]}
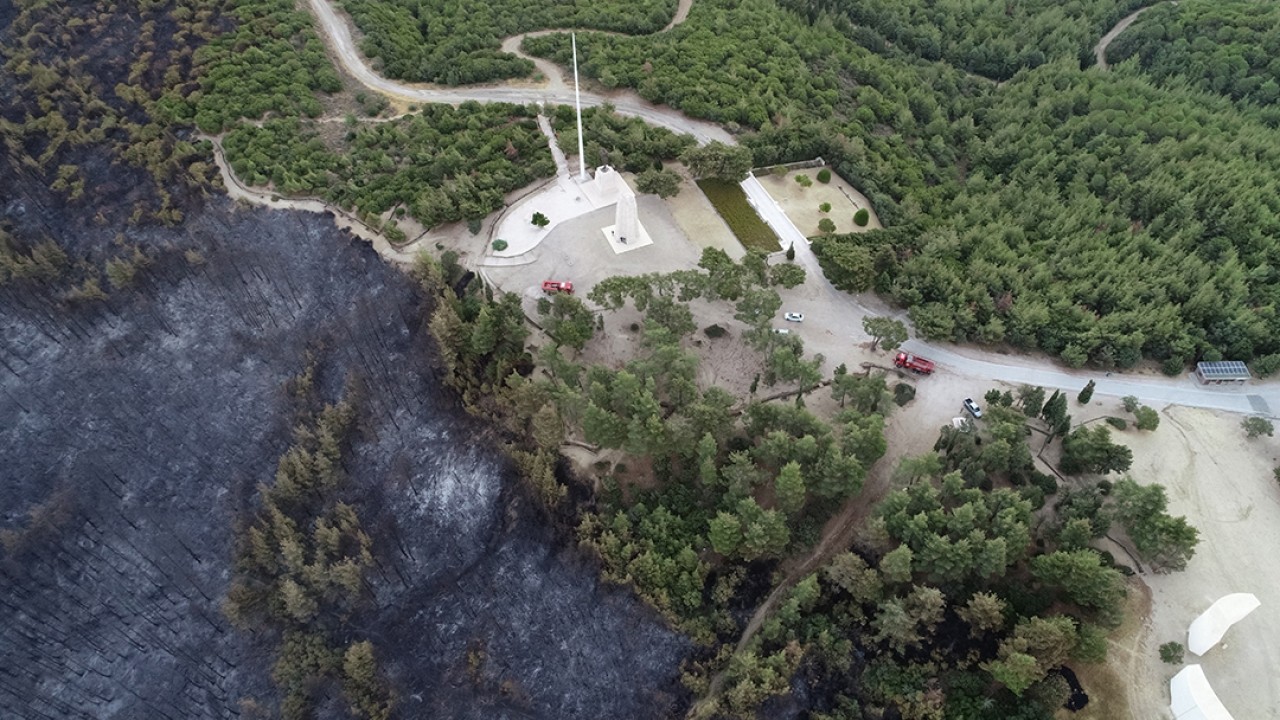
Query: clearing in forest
{"points": [[802, 204]]}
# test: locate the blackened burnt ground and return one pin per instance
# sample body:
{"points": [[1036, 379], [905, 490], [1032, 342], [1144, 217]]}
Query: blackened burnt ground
{"points": [[134, 431]]}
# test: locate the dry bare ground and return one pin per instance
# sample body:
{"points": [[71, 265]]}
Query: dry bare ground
{"points": [[801, 203], [1223, 483], [698, 219]]}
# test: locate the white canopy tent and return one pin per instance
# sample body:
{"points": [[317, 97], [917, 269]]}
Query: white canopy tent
{"points": [[1193, 699], [1208, 629]]}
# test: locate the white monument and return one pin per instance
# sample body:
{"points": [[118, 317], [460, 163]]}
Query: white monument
{"points": [[626, 225], [577, 101], [626, 232], [608, 187]]}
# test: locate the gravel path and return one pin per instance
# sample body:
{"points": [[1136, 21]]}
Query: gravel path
{"points": [[1100, 50]]}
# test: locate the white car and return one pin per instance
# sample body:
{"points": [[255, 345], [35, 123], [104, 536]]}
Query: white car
{"points": [[972, 407], [793, 317]]}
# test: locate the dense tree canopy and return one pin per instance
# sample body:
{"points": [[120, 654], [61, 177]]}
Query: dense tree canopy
{"points": [[1096, 233], [442, 164], [626, 143], [1086, 222], [458, 42], [992, 39], [272, 62], [1228, 47]]}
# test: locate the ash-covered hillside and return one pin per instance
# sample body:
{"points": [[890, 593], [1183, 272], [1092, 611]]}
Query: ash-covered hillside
{"points": [[135, 430]]}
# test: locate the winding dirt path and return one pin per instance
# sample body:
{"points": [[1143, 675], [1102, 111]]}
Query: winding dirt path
{"points": [[837, 535], [336, 31], [1100, 50], [403, 254], [553, 74]]}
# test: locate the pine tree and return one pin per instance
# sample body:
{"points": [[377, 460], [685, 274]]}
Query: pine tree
{"points": [[1086, 394], [789, 489]]}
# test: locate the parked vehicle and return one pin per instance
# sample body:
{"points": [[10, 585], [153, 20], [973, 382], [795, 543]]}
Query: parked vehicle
{"points": [[973, 408], [554, 286], [793, 317], [782, 331], [914, 363]]}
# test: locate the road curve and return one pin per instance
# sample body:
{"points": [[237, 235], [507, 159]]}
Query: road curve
{"points": [[1100, 50], [967, 361], [338, 33]]}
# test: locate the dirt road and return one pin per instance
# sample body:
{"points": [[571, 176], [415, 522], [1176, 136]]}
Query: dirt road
{"points": [[1100, 50], [337, 32]]}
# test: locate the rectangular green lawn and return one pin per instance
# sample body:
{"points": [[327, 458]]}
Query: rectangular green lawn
{"points": [[731, 202]]}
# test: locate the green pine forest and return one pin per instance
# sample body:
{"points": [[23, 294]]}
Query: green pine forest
{"points": [[1101, 217], [457, 43], [439, 165], [1229, 48], [959, 592]]}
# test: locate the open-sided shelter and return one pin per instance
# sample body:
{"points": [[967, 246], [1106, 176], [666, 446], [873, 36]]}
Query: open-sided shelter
{"points": [[1222, 372], [1193, 698], [1208, 629]]}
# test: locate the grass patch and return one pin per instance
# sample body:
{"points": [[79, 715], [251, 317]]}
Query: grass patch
{"points": [[731, 202]]}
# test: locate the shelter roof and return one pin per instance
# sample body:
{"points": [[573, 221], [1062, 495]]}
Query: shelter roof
{"points": [[1223, 370]]}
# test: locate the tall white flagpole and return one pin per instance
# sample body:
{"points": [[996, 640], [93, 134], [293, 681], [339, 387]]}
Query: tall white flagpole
{"points": [[577, 98]]}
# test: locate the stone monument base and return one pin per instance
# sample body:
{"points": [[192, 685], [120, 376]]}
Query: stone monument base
{"points": [[632, 243]]}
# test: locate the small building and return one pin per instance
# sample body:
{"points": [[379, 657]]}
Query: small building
{"points": [[1222, 372]]}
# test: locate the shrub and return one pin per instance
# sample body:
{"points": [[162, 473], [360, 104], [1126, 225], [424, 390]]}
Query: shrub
{"points": [[1255, 426], [499, 245], [1117, 423], [715, 331], [1174, 366], [826, 226], [861, 217], [824, 176], [804, 180], [473, 226], [1048, 484], [1074, 356], [1031, 494], [791, 252], [1146, 418], [1171, 652], [1130, 403], [824, 207], [1086, 394], [779, 170], [540, 220], [903, 393], [731, 202], [1267, 365]]}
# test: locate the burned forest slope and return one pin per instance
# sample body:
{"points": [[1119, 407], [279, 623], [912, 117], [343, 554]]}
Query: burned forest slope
{"points": [[135, 429]]}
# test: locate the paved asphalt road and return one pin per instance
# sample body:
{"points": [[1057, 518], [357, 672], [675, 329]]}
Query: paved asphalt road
{"points": [[1254, 398]]}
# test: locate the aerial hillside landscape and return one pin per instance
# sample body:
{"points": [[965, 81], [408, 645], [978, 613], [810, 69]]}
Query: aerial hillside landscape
{"points": [[834, 360]]}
